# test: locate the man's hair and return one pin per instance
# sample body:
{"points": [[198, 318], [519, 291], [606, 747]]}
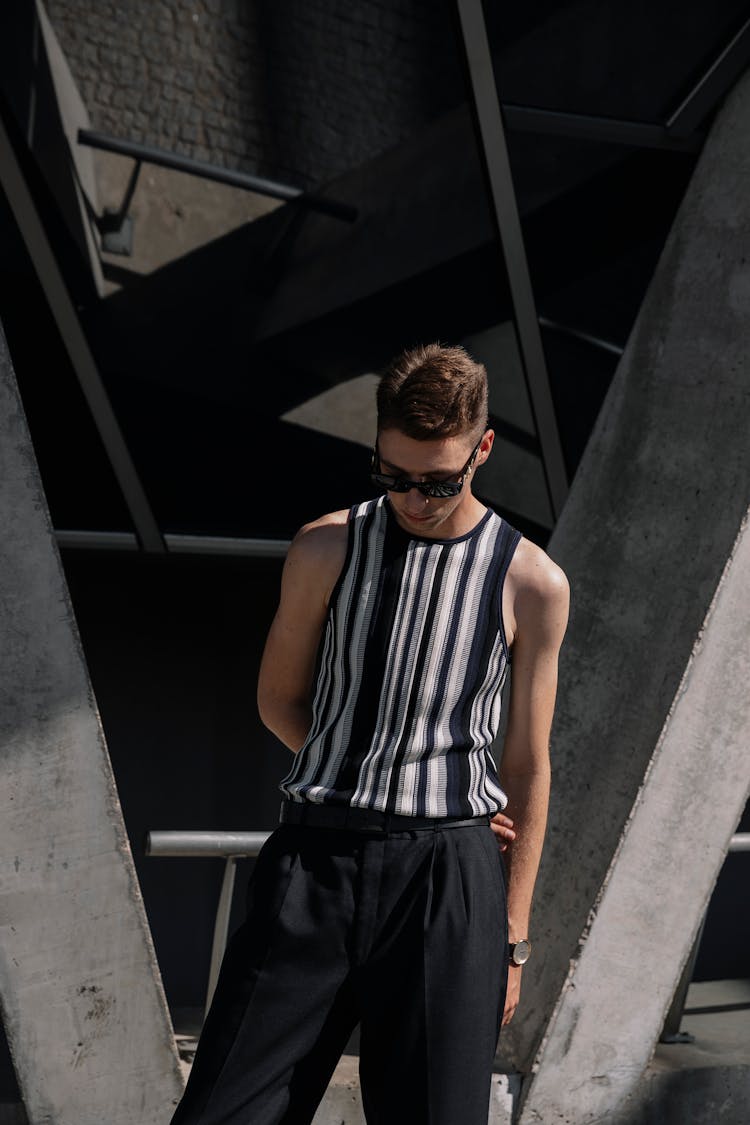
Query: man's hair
{"points": [[433, 391]]}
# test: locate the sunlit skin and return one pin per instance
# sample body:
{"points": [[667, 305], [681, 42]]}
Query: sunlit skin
{"points": [[535, 612]]}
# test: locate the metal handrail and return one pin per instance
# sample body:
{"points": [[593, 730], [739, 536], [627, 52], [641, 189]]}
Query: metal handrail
{"points": [[233, 846], [670, 1033], [149, 154]]}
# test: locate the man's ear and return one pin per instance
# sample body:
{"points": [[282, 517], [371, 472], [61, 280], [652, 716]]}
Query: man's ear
{"points": [[486, 447]]}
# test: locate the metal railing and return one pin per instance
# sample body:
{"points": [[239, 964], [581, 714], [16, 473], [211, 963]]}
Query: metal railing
{"points": [[232, 846], [671, 1033], [112, 223]]}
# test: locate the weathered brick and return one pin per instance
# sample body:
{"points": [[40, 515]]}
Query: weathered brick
{"points": [[345, 77]]}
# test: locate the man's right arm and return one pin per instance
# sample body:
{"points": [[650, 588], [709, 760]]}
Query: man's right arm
{"points": [[312, 566]]}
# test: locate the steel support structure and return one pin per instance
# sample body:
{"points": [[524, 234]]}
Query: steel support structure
{"points": [[74, 339], [494, 156]]}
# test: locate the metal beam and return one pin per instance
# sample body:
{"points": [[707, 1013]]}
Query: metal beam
{"points": [[714, 84], [226, 545], [74, 340], [601, 130], [579, 334], [494, 154], [149, 154], [74, 539]]}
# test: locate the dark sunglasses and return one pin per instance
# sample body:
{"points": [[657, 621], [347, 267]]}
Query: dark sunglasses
{"points": [[437, 489]]}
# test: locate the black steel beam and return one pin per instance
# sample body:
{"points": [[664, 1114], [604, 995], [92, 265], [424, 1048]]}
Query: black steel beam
{"points": [[603, 130], [41, 253], [712, 87], [494, 155]]}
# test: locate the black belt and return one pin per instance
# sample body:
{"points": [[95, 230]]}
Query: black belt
{"points": [[367, 820]]}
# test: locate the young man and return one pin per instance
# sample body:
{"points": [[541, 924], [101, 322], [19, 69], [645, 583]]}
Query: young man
{"points": [[381, 897]]}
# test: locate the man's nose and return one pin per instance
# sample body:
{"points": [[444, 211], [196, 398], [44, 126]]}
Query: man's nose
{"points": [[415, 498]]}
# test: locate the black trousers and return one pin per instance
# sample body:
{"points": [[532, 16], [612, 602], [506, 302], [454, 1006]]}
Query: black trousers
{"points": [[404, 932]]}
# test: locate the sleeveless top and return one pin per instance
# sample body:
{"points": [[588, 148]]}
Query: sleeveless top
{"points": [[410, 671]]}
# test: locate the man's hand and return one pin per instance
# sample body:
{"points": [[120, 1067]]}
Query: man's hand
{"points": [[513, 992], [502, 826]]}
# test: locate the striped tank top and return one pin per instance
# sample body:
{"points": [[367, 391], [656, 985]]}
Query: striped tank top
{"points": [[410, 671]]}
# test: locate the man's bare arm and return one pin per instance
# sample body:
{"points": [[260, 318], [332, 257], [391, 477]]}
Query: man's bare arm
{"points": [[312, 566], [541, 606]]}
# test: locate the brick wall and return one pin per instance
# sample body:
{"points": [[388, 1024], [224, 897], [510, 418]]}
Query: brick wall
{"points": [[298, 90]]}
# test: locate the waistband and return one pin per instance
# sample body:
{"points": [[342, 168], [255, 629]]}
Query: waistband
{"points": [[368, 820]]}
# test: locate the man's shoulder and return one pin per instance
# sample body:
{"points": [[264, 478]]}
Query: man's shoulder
{"points": [[534, 576], [322, 537]]}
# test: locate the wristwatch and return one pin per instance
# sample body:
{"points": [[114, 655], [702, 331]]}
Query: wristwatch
{"points": [[519, 951]]}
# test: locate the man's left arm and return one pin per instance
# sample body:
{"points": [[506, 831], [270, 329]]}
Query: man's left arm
{"points": [[541, 610]]}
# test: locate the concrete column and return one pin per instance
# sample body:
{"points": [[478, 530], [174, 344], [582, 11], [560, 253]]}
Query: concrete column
{"points": [[82, 1001], [649, 746]]}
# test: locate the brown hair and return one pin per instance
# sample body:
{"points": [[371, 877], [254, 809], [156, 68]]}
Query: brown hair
{"points": [[433, 391]]}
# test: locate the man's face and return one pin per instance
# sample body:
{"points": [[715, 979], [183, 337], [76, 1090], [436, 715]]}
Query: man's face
{"points": [[443, 459]]}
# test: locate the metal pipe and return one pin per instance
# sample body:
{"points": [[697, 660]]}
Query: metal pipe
{"points": [[740, 842], [226, 545], [199, 843], [149, 154], [601, 130], [97, 540], [221, 928], [175, 544]]}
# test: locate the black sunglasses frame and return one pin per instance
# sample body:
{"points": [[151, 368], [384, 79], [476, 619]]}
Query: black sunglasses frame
{"points": [[434, 489]]}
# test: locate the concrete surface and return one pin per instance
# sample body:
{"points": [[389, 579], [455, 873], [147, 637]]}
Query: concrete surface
{"points": [[706, 1082], [619, 988], [83, 1007], [653, 515]]}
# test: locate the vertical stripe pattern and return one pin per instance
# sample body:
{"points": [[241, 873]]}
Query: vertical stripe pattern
{"points": [[411, 668]]}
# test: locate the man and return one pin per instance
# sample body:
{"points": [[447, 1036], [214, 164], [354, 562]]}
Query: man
{"points": [[381, 897]]}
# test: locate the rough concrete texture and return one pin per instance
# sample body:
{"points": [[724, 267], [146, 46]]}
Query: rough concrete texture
{"points": [[613, 1006], [706, 1081], [652, 517], [82, 1001]]}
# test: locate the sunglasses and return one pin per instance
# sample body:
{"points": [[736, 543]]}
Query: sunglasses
{"points": [[437, 489]]}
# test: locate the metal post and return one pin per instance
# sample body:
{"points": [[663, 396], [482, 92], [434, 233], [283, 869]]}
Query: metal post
{"points": [[221, 927], [740, 842], [491, 136]]}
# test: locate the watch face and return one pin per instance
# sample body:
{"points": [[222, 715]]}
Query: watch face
{"points": [[521, 952]]}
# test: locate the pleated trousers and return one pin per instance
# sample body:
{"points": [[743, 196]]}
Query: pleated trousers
{"points": [[404, 932]]}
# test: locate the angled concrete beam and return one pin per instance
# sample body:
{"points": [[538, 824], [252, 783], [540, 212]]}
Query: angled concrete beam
{"points": [[82, 1001], [612, 1008], [653, 516]]}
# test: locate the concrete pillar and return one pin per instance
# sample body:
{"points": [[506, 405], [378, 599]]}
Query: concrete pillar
{"points": [[82, 1001], [649, 745]]}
